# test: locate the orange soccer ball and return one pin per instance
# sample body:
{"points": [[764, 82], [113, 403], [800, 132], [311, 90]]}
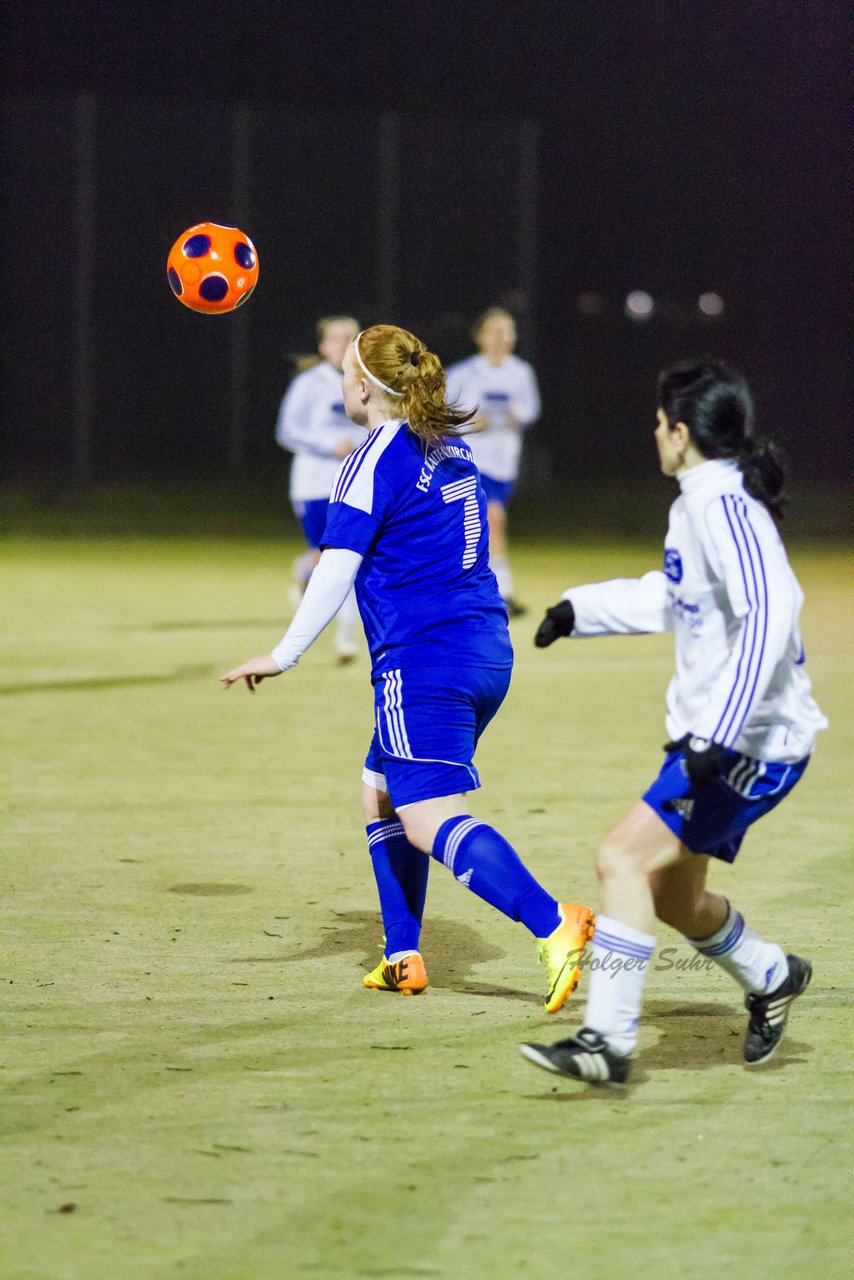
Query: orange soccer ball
{"points": [[212, 268]]}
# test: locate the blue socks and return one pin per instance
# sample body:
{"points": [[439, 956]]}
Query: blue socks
{"points": [[482, 859], [401, 873]]}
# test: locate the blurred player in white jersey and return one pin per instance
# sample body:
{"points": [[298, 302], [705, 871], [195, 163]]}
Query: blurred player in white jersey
{"points": [[407, 525], [504, 389], [739, 712], [314, 426]]}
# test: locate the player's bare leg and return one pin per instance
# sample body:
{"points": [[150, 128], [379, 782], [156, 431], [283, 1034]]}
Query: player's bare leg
{"points": [[770, 979], [635, 850], [303, 568], [346, 630], [496, 514], [682, 899], [623, 944], [645, 872]]}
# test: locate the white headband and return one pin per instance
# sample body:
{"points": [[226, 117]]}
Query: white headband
{"points": [[366, 371]]}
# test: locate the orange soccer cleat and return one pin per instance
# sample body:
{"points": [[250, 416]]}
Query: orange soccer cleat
{"points": [[408, 976]]}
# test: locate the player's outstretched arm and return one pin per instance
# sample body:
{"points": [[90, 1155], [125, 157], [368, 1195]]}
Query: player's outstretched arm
{"points": [[327, 590], [559, 621], [621, 607], [253, 672]]}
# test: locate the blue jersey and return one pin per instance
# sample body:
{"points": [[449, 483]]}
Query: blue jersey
{"points": [[416, 512]]}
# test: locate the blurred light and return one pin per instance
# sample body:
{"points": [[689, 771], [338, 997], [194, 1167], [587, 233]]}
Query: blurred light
{"points": [[639, 305], [590, 303], [711, 304]]}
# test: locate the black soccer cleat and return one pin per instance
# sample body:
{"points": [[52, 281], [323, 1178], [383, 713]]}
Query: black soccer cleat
{"points": [[584, 1057], [514, 608], [768, 1013]]}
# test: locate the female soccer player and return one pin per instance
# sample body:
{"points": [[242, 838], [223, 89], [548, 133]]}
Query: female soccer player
{"points": [[505, 390], [407, 525], [739, 712], [312, 424]]}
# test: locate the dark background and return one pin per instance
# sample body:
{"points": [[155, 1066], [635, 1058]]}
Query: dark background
{"points": [[680, 147]]}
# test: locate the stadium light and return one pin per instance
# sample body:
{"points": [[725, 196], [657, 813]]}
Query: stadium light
{"points": [[711, 304], [639, 305]]}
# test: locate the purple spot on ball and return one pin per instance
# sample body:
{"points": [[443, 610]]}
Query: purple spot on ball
{"points": [[197, 246], [213, 288], [175, 282], [244, 255]]}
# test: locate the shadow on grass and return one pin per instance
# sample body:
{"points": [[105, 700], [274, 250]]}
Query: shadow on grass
{"points": [[696, 1037], [105, 682], [699, 1037], [693, 1037], [204, 624], [453, 950]]}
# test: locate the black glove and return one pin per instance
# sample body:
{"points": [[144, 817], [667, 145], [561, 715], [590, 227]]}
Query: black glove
{"points": [[705, 761], [559, 621]]}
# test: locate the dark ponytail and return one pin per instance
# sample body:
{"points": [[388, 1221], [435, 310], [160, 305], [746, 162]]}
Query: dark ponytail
{"points": [[714, 402], [761, 464]]}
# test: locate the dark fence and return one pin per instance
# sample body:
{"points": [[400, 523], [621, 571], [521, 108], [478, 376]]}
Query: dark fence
{"points": [[109, 378], [422, 221]]}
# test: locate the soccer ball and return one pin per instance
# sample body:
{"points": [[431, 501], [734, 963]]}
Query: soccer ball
{"points": [[212, 268]]}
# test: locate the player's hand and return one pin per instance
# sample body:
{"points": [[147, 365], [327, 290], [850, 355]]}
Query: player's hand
{"points": [[344, 448], [253, 672], [705, 761], [559, 621]]}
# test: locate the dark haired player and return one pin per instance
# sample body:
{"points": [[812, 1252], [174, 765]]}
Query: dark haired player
{"points": [[739, 712]]}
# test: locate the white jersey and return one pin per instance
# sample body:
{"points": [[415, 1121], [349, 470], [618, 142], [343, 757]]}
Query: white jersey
{"points": [[731, 599], [312, 424], [510, 387]]}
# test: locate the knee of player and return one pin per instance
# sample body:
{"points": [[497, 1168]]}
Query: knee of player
{"points": [[420, 830], [376, 805], [613, 860]]}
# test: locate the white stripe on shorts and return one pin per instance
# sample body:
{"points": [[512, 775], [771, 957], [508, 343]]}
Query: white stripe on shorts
{"points": [[393, 706]]}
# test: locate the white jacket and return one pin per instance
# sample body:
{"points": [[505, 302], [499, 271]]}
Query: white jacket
{"points": [[312, 424], [496, 389], [732, 601]]}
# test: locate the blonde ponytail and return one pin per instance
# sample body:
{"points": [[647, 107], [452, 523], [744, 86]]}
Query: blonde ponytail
{"points": [[397, 360]]}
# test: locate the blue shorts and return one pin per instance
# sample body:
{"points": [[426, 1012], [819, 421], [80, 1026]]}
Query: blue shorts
{"points": [[497, 490], [713, 819], [312, 517], [428, 722]]}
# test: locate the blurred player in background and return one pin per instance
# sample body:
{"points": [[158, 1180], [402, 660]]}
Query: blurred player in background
{"points": [[739, 711], [314, 426], [407, 525], [504, 389]]}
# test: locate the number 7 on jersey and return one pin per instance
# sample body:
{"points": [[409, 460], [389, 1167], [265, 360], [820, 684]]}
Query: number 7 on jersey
{"points": [[465, 491]]}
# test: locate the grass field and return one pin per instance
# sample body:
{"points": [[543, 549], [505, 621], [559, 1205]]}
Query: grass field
{"points": [[198, 1087]]}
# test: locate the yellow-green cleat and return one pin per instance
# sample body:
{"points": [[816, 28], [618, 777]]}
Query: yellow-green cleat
{"points": [[562, 950]]}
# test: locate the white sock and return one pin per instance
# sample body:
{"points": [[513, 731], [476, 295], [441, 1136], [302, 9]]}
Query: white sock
{"points": [[757, 966], [501, 569], [619, 959]]}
